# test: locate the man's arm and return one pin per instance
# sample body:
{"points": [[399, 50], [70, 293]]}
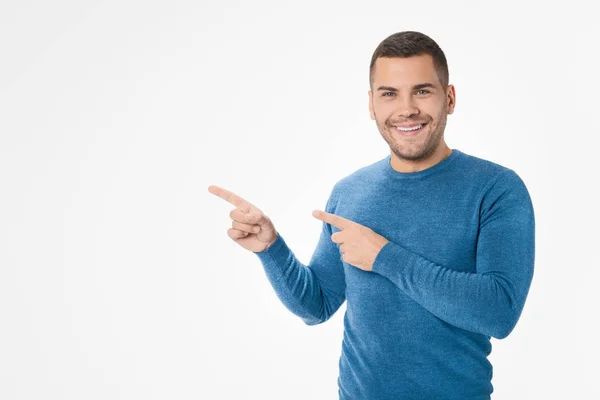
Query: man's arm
{"points": [[314, 292], [490, 300]]}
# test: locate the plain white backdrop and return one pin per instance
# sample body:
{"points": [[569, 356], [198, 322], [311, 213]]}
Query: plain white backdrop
{"points": [[117, 277]]}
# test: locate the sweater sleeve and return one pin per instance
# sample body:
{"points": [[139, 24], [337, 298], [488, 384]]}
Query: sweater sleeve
{"points": [[490, 300], [313, 292]]}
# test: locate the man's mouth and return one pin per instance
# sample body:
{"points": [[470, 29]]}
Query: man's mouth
{"points": [[409, 130]]}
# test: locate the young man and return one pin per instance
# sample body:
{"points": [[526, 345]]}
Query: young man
{"points": [[432, 248]]}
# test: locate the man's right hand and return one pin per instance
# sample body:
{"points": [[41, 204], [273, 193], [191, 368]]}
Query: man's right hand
{"points": [[250, 227]]}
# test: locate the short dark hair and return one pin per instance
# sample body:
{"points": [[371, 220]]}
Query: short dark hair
{"points": [[408, 44]]}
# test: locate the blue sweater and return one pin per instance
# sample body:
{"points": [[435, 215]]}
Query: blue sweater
{"points": [[455, 272]]}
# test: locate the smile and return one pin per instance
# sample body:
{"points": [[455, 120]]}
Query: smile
{"points": [[410, 131]]}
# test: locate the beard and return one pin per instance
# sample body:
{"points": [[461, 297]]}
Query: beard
{"points": [[414, 148]]}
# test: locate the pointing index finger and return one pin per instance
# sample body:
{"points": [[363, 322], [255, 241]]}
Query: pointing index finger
{"points": [[333, 219], [230, 197]]}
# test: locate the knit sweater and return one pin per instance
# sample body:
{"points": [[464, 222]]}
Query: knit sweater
{"points": [[455, 272]]}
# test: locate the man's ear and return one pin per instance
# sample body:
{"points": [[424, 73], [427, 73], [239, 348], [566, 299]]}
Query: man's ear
{"points": [[451, 98], [371, 105]]}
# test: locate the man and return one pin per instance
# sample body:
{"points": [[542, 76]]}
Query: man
{"points": [[432, 248]]}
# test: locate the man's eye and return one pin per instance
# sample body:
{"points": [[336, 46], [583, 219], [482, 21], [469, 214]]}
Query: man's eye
{"points": [[420, 91]]}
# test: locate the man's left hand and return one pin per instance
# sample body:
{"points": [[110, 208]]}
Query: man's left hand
{"points": [[359, 244]]}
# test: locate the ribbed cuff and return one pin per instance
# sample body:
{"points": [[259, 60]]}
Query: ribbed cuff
{"points": [[391, 260], [277, 253]]}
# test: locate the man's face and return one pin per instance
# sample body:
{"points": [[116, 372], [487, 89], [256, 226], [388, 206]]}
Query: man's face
{"points": [[407, 92]]}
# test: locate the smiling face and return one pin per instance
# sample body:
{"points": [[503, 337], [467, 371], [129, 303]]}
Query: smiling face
{"points": [[407, 93]]}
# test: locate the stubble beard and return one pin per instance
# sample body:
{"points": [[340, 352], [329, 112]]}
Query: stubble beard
{"points": [[412, 149]]}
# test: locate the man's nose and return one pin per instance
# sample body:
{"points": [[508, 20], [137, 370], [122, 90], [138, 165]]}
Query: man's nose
{"points": [[406, 108]]}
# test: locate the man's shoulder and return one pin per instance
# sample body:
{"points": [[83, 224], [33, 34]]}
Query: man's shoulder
{"points": [[475, 166], [495, 181], [359, 177]]}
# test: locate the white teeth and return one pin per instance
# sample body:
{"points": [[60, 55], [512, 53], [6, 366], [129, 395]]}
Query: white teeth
{"points": [[409, 129]]}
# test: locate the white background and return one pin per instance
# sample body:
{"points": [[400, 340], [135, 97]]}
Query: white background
{"points": [[117, 277]]}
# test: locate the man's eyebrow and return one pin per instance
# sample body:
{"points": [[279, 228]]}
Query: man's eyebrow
{"points": [[415, 87]]}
